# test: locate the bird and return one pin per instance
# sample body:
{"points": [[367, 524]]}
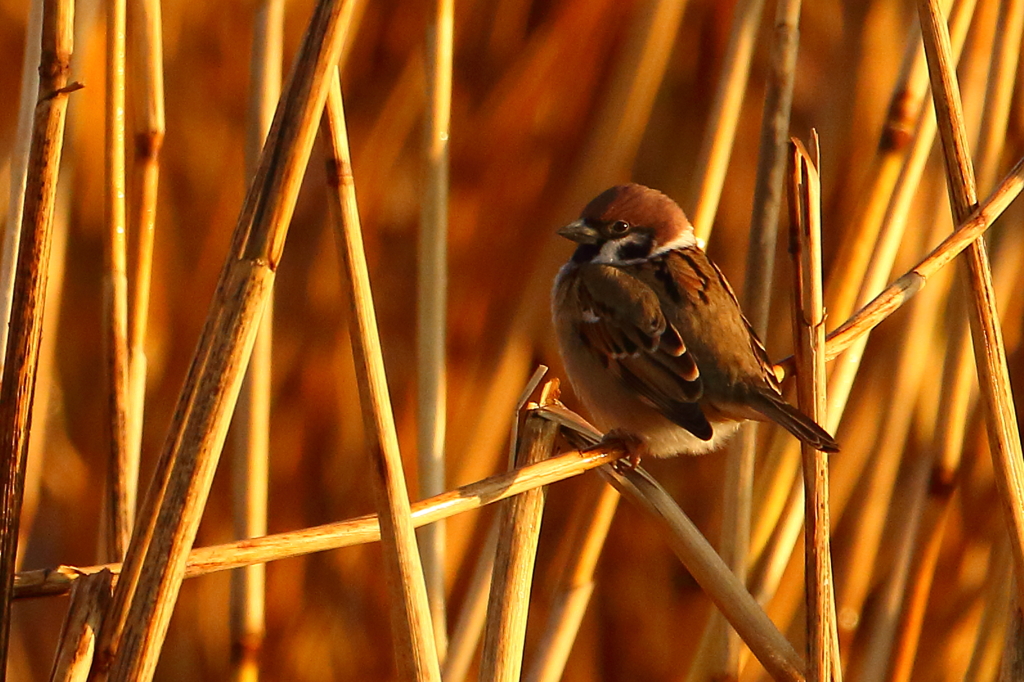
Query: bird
{"points": [[652, 337]]}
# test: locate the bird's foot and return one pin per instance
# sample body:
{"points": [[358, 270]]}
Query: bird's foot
{"points": [[635, 447]]}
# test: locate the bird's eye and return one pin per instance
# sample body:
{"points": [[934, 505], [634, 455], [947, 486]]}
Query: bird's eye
{"points": [[620, 227]]}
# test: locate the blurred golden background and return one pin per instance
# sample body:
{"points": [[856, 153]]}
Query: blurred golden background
{"points": [[548, 109]]}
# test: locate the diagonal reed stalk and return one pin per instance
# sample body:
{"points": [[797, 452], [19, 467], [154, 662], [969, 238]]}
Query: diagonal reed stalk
{"points": [[26, 321], [121, 487], [809, 332], [990, 354], [414, 634], [432, 289], [135, 626], [251, 444], [205, 560]]}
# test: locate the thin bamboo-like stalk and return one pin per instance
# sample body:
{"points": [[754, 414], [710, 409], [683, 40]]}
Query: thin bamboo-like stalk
{"points": [[414, 634], [809, 332], [575, 585], [757, 286], [518, 535], [120, 510], [990, 354], [361, 530], [432, 288], [470, 625], [720, 133], [19, 166], [136, 623], [89, 599], [145, 33], [251, 443], [707, 568], [22, 352]]}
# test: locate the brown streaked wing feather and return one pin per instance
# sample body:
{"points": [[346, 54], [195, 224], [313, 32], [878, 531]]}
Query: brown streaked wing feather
{"points": [[631, 336]]}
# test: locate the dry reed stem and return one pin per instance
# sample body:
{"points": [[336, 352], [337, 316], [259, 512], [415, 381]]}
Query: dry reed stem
{"points": [[19, 166], [470, 624], [999, 92], [757, 286], [251, 443], [720, 133], [957, 393], [414, 641], [89, 599], [518, 535], [22, 352], [145, 30], [135, 625], [121, 487], [707, 568], [990, 355], [432, 293], [594, 517], [809, 332], [364, 529]]}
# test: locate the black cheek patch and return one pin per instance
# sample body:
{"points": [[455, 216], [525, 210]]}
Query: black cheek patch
{"points": [[633, 250]]}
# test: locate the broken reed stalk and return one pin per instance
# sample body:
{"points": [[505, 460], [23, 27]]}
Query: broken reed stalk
{"points": [[89, 599], [28, 97], [595, 512], [518, 535], [809, 332], [121, 490], [414, 635], [360, 530], [432, 292], [765, 641], [26, 322], [134, 627], [251, 442], [720, 133], [145, 32], [990, 355]]}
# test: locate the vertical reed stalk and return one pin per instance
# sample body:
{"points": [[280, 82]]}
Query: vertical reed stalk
{"points": [[809, 332], [89, 599], [990, 354], [518, 534], [134, 627], [120, 510], [251, 444], [145, 31], [26, 322], [432, 288], [19, 165], [415, 647]]}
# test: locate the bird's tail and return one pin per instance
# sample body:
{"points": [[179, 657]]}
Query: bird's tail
{"points": [[793, 420]]}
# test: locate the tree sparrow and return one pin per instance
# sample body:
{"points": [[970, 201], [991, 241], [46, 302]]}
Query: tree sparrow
{"points": [[652, 336]]}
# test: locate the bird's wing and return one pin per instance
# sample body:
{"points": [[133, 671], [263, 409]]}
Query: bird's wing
{"points": [[623, 324]]}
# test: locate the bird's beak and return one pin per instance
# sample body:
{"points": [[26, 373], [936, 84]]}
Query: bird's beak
{"points": [[579, 232]]}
